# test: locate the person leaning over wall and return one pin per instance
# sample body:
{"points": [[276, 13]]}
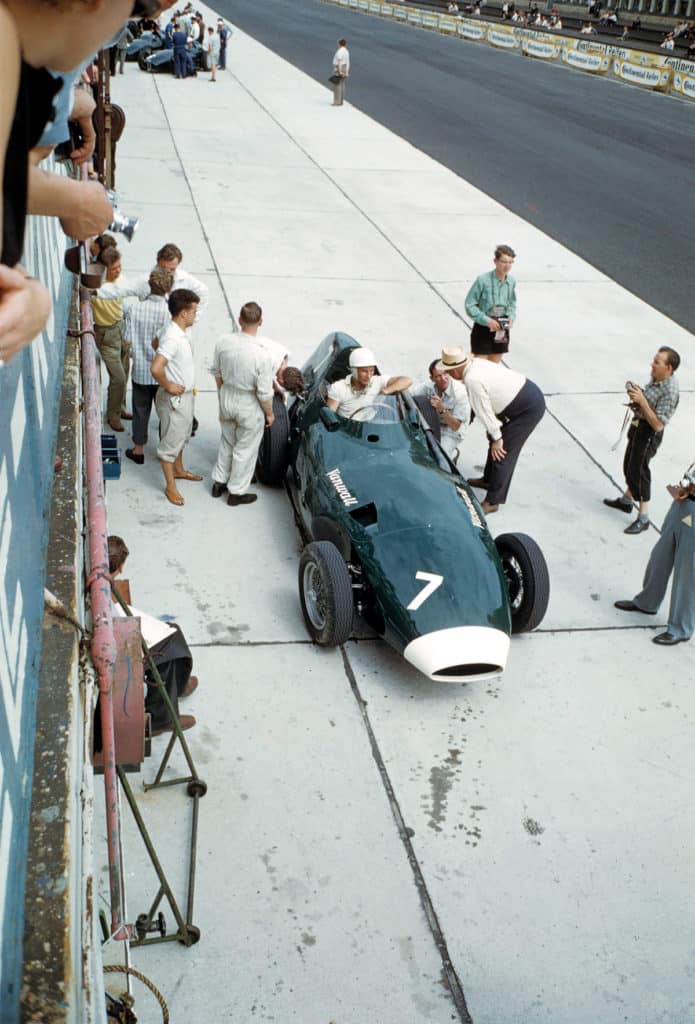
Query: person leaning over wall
{"points": [[36, 35]]}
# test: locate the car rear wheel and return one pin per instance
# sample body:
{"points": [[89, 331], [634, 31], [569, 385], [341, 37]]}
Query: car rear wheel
{"points": [[273, 455], [429, 415], [142, 60], [526, 572], [325, 591]]}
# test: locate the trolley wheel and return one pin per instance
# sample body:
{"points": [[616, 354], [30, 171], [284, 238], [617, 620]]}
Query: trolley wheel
{"points": [[193, 934]]}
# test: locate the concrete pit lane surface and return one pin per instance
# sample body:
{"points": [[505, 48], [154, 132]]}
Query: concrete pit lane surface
{"points": [[376, 848]]}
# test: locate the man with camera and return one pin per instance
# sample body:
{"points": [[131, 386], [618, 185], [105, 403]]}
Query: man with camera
{"points": [[652, 408], [491, 303], [674, 552]]}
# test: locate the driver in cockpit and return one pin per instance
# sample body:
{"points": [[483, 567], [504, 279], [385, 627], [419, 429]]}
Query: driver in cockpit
{"points": [[362, 387]]}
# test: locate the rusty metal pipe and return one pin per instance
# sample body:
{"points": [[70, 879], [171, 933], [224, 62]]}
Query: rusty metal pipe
{"points": [[103, 643]]}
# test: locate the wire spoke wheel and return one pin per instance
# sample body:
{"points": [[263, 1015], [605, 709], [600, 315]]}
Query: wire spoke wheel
{"points": [[325, 592]]}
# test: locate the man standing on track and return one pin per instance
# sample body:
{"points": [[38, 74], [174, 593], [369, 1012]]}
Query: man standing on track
{"points": [[244, 373], [341, 70]]}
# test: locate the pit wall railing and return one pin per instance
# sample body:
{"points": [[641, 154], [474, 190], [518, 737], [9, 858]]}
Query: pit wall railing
{"points": [[654, 71], [48, 947]]}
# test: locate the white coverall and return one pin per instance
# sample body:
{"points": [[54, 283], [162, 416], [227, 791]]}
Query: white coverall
{"points": [[246, 370]]}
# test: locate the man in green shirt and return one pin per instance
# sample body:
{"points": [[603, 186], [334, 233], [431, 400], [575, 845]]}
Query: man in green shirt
{"points": [[491, 304]]}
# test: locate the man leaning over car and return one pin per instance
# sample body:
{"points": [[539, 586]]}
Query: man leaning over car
{"points": [[362, 386]]}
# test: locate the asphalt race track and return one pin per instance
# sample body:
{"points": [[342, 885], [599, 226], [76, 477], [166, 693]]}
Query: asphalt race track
{"points": [[604, 168]]}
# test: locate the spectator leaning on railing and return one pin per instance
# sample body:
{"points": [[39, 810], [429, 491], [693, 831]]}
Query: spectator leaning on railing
{"points": [[36, 35]]}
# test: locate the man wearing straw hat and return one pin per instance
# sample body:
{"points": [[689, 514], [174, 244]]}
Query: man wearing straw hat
{"points": [[508, 405]]}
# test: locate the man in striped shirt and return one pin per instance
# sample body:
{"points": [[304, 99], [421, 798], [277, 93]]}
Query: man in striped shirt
{"points": [[145, 323]]}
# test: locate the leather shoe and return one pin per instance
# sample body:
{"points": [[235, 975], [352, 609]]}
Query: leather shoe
{"points": [[191, 686], [479, 482], [137, 459], [630, 606], [241, 499], [185, 721], [117, 426], [620, 503], [126, 415], [638, 526], [667, 640], [218, 489]]}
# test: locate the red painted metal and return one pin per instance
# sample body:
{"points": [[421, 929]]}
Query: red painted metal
{"points": [[103, 645]]}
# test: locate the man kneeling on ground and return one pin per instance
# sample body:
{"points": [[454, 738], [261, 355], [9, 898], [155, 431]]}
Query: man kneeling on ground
{"points": [[169, 650]]}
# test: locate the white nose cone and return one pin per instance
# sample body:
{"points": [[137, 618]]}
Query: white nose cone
{"points": [[460, 654]]}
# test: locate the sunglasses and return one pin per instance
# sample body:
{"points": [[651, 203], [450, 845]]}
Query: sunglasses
{"points": [[145, 8]]}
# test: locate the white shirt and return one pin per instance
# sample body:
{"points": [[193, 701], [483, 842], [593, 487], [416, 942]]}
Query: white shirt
{"points": [[491, 387], [277, 352], [243, 365], [153, 630], [175, 346], [122, 288], [455, 401], [349, 399], [341, 60]]}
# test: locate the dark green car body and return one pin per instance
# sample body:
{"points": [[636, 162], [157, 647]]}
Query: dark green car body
{"points": [[405, 522]]}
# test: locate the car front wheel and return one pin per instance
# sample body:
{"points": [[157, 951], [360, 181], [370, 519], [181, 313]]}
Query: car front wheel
{"points": [[325, 592], [528, 582]]}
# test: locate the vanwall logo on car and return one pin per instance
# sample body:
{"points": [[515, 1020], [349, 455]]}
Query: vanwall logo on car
{"points": [[343, 493]]}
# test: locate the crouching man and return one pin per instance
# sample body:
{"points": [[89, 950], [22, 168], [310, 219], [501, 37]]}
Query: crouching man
{"points": [[449, 399], [170, 653]]}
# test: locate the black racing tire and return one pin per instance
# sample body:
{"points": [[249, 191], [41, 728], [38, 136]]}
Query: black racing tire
{"points": [[142, 60], [274, 453], [325, 592], [528, 581], [429, 415]]}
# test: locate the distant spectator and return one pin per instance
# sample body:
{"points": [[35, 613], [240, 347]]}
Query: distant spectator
{"points": [[453, 8], [636, 24], [224, 32], [213, 53], [588, 30], [668, 42], [341, 71], [122, 44], [681, 29]]}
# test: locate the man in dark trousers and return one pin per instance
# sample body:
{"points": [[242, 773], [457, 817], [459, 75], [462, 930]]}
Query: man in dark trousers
{"points": [[653, 406], [508, 405], [674, 552], [170, 653]]}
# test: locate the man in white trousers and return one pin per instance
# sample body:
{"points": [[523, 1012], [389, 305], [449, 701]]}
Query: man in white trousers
{"points": [[244, 373]]}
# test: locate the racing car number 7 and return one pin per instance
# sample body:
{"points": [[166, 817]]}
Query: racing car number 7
{"points": [[433, 583]]}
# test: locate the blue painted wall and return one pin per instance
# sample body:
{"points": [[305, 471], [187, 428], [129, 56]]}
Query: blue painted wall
{"points": [[30, 388]]}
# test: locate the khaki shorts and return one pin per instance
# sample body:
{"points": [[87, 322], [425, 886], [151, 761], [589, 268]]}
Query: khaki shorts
{"points": [[175, 420]]}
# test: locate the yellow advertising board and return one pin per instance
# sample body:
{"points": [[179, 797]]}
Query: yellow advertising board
{"points": [[683, 84], [584, 60], [540, 46], [506, 38], [471, 29], [650, 70]]}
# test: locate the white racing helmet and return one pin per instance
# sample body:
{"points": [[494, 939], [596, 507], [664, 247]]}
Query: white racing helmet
{"points": [[362, 357]]}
